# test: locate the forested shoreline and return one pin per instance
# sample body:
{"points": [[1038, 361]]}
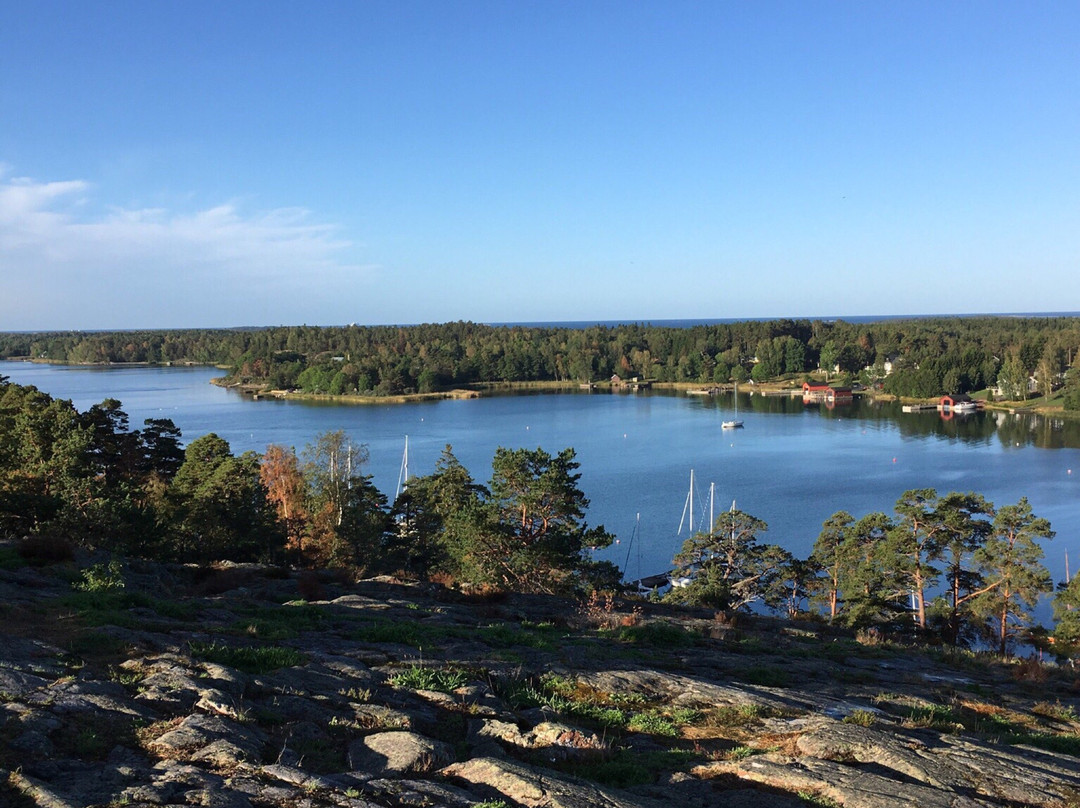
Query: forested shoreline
{"points": [[922, 357], [952, 567]]}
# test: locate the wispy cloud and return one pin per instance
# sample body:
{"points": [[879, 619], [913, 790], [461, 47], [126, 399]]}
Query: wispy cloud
{"points": [[61, 265]]}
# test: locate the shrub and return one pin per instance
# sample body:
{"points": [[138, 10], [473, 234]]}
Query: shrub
{"points": [[861, 718], [101, 578], [1057, 711]]}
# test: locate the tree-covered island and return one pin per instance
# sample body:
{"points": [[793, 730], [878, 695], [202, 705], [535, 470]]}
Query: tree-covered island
{"points": [[1019, 357]]}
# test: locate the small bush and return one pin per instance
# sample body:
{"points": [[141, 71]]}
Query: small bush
{"points": [[934, 716], [1057, 711], [284, 622], [483, 593], [507, 635], [817, 799], [101, 578], [654, 722], [215, 581], [860, 718], [741, 752], [869, 636]]}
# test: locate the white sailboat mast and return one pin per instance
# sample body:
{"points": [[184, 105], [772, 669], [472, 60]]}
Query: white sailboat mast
{"points": [[403, 473]]}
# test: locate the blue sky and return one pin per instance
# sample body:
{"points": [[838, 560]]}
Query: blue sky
{"points": [[171, 164]]}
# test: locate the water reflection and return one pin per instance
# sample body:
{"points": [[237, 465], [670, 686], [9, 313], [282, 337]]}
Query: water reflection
{"points": [[977, 428]]}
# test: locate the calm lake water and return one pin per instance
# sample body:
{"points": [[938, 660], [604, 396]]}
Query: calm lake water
{"points": [[792, 465]]}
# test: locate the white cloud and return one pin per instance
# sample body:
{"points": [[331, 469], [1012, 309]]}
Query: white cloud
{"points": [[61, 266]]}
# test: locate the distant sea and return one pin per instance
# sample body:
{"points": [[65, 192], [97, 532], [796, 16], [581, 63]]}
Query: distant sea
{"points": [[690, 323], [581, 324]]}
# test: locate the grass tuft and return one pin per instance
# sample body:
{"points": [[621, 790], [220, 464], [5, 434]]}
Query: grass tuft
{"points": [[249, 659], [418, 677]]}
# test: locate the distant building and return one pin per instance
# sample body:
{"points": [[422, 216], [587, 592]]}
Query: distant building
{"points": [[951, 401], [830, 394]]}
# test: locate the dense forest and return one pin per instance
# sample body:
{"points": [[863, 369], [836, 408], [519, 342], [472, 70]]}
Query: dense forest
{"points": [[951, 568], [921, 357]]}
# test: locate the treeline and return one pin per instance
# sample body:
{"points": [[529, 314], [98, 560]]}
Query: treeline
{"points": [[952, 567], [70, 478], [925, 357]]}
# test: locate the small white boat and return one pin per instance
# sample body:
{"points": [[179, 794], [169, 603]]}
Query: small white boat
{"points": [[734, 423]]}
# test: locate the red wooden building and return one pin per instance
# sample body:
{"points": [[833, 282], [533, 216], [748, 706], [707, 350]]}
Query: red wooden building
{"points": [[814, 391]]}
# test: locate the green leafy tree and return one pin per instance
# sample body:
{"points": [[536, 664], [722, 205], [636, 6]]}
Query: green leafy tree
{"points": [[914, 543], [435, 518], [46, 480], [349, 520], [1071, 400], [1013, 379], [531, 534], [827, 359], [1067, 616], [727, 568], [1010, 563], [867, 579], [218, 508], [161, 450], [832, 556], [966, 523]]}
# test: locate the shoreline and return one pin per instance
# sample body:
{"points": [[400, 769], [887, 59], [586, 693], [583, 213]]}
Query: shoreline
{"points": [[480, 389]]}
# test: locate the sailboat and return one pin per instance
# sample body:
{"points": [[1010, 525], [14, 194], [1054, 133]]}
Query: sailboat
{"points": [[403, 473], [735, 423]]}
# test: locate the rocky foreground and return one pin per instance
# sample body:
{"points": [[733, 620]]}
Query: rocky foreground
{"points": [[249, 687]]}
